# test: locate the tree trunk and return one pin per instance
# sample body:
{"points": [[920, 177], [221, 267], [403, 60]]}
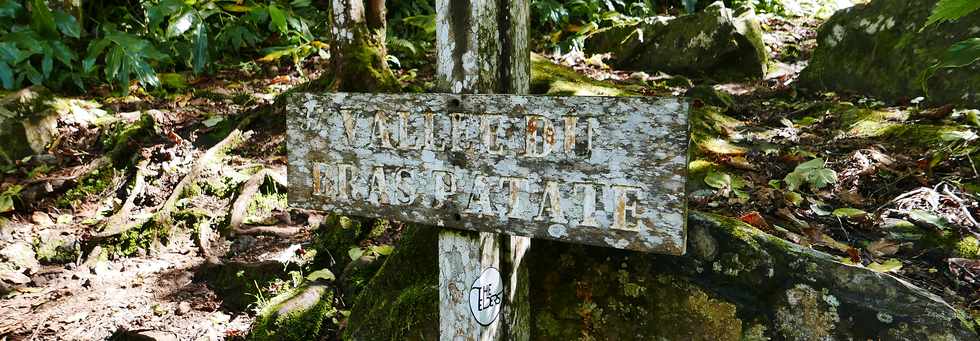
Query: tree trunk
{"points": [[358, 54], [482, 47]]}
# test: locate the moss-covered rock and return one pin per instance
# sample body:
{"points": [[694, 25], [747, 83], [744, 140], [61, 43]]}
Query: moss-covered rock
{"points": [[548, 78], [239, 284], [878, 49], [57, 247], [401, 301], [297, 314], [575, 296], [26, 124], [715, 43], [803, 313], [737, 282]]}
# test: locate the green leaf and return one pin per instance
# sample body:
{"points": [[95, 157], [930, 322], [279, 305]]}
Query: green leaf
{"points": [[200, 56], [812, 164], [6, 203], [47, 64], [9, 8], [42, 21], [183, 23], [820, 178], [67, 24], [322, 274], [962, 53], [929, 219], [774, 183], [31, 73], [848, 212], [425, 22], [144, 72], [63, 53], [890, 265], [948, 10], [794, 180], [7, 198], [355, 252], [6, 76], [718, 180], [794, 198], [278, 19], [383, 250]]}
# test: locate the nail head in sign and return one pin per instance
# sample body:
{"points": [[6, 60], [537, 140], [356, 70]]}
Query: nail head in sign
{"points": [[486, 296]]}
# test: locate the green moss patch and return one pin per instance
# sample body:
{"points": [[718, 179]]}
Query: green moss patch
{"points": [[297, 314]]}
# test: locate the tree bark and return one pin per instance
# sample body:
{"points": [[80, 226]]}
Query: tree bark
{"points": [[482, 47], [358, 54]]}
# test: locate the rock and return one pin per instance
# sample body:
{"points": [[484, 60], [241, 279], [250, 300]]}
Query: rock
{"points": [[803, 313], [877, 49], [26, 124], [11, 278], [183, 308], [42, 219], [236, 282], [21, 255], [143, 335], [295, 315], [715, 43], [709, 95], [755, 287], [548, 78], [575, 296], [57, 247]]}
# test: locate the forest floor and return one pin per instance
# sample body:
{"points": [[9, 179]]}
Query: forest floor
{"points": [[198, 219]]}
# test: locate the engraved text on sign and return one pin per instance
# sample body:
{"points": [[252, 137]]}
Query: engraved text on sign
{"points": [[593, 170]]}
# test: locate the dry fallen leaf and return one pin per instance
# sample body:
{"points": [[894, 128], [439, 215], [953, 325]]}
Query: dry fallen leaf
{"points": [[755, 219], [881, 247]]}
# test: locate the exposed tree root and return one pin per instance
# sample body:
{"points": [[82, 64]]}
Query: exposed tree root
{"points": [[241, 203], [164, 210], [120, 219]]}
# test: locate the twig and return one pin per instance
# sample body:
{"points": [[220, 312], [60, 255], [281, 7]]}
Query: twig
{"points": [[961, 204]]}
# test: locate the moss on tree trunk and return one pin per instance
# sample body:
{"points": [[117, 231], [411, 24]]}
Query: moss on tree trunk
{"points": [[358, 51]]}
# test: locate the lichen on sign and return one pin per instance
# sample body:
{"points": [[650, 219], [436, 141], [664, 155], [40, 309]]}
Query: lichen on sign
{"points": [[592, 170]]}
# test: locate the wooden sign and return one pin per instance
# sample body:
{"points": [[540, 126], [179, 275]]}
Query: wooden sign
{"points": [[603, 171]]}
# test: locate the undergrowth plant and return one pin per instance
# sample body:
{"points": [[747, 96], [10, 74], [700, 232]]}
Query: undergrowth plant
{"points": [[43, 42]]}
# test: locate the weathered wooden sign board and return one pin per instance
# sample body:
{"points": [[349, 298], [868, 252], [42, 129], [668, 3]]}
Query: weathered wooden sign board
{"points": [[593, 170]]}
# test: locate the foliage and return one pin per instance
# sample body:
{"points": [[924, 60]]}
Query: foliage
{"points": [[126, 41], [7, 198], [949, 10], [567, 23], [411, 32], [813, 172], [33, 44], [960, 54], [726, 183]]}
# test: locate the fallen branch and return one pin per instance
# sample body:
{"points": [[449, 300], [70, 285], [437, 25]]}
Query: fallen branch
{"points": [[281, 230]]}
